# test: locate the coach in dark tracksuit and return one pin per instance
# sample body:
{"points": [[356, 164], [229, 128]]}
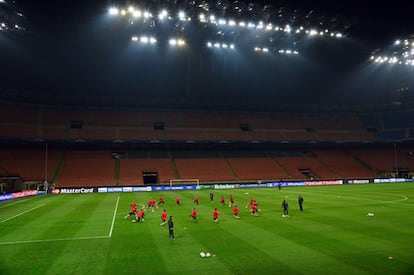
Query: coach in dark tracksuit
{"points": [[285, 207], [300, 201], [171, 228]]}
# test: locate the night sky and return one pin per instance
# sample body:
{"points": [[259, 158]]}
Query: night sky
{"points": [[73, 48]]}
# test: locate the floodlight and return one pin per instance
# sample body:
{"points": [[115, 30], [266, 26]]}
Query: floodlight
{"points": [[123, 12], [224, 46], [216, 45], [232, 47], [152, 40], [313, 32], [144, 39], [181, 16], [202, 18], [250, 25], [134, 38], [177, 42], [338, 35], [163, 14], [137, 13], [232, 23], [269, 27], [222, 22], [212, 19], [113, 11], [147, 14], [131, 9], [265, 50], [209, 44], [242, 24]]}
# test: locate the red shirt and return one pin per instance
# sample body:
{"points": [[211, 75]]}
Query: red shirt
{"points": [[196, 198], [254, 207], [222, 199], [177, 199], [140, 213], [193, 213], [251, 201], [161, 199], [215, 214], [235, 210], [164, 215], [134, 209], [231, 198]]}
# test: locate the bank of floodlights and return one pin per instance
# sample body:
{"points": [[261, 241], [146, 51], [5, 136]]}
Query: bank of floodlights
{"points": [[144, 40], [176, 42], [240, 15], [222, 21], [401, 53], [11, 19], [220, 45]]}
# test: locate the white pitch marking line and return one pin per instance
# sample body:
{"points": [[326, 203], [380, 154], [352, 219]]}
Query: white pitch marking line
{"points": [[13, 203], [55, 240], [113, 218], [24, 212]]}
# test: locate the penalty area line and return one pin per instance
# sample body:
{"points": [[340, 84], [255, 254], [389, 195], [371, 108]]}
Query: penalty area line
{"points": [[55, 240], [13, 203], [113, 218], [24, 212]]}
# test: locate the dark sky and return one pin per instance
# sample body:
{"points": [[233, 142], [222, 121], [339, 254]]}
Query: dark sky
{"points": [[71, 48]]}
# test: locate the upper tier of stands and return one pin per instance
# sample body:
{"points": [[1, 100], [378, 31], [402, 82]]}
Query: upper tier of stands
{"points": [[36, 122]]}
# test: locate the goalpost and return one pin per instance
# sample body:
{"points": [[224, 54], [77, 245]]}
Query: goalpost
{"points": [[184, 182]]}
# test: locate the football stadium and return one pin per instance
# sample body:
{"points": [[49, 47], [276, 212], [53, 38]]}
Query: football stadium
{"points": [[202, 137]]}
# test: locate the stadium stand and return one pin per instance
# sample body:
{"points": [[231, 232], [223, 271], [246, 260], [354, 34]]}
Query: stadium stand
{"points": [[184, 134], [305, 168], [29, 164], [248, 168], [343, 165], [21, 131], [202, 165], [212, 129], [87, 168], [381, 160], [131, 170]]}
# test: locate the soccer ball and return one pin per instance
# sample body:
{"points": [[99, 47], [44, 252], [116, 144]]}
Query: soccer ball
{"points": [[208, 254], [370, 214], [202, 254]]}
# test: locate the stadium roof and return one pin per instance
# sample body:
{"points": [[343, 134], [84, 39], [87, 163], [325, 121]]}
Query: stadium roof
{"points": [[73, 50]]}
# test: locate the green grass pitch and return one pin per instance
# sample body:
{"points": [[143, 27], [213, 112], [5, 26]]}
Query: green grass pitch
{"points": [[87, 233]]}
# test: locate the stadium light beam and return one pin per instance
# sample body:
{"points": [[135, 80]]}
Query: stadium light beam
{"points": [[113, 11]]}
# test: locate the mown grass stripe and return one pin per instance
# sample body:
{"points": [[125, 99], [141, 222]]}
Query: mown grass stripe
{"points": [[22, 213]]}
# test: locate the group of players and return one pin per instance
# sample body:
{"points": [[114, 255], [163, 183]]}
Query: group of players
{"points": [[252, 204]]}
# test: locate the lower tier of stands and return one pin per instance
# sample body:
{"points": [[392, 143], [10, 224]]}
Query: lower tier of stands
{"points": [[99, 167]]}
